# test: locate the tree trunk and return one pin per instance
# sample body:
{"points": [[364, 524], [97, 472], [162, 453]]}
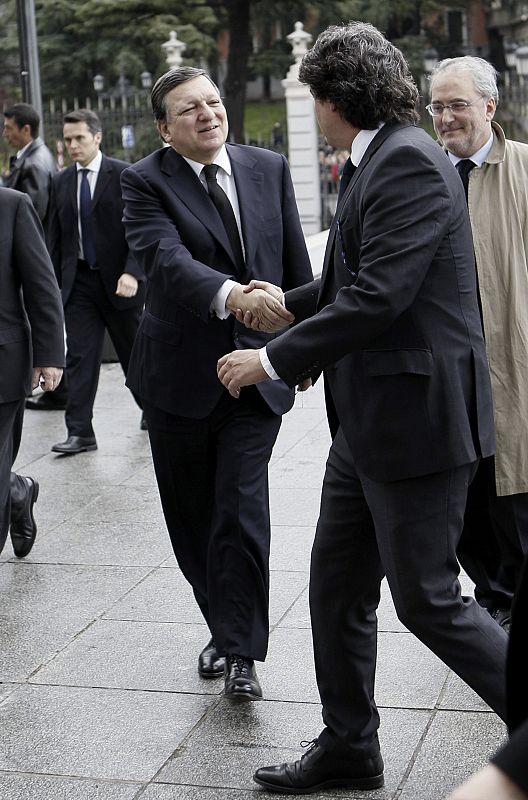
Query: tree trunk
{"points": [[237, 62]]}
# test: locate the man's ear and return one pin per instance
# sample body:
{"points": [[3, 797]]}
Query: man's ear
{"points": [[163, 131]]}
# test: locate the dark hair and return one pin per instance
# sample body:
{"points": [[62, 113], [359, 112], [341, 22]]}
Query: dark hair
{"points": [[84, 115], [24, 114], [169, 81], [356, 69]]}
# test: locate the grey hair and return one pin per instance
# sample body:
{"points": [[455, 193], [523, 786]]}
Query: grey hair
{"points": [[483, 74], [169, 81]]}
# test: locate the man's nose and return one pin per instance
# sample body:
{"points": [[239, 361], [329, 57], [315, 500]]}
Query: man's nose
{"points": [[447, 114], [206, 112]]}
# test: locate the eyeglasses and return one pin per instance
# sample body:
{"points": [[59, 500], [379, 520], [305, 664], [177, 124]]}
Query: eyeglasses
{"points": [[458, 107]]}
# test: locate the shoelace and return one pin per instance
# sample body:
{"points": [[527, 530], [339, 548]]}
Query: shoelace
{"points": [[241, 665], [310, 745]]}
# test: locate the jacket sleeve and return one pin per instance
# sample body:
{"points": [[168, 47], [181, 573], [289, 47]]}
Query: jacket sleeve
{"points": [[40, 292], [36, 183]]}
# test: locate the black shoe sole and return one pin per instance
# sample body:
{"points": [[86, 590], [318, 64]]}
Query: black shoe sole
{"points": [[34, 497], [242, 697], [87, 449], [374, 782], [211, 674]]}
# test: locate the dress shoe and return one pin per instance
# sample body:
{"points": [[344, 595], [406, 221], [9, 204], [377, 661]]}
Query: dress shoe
{"points": [[322, 769], [143, 423], [210, 664], [23, 526], [502, 617], [75, 444], [46, 402], [241, 682]]}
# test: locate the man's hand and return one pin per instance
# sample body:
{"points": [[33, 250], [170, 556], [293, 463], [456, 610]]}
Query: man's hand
{"points": [[259, 308], [488, 784], [47, 377], [304, 385], [127, 285], [240, 368]]}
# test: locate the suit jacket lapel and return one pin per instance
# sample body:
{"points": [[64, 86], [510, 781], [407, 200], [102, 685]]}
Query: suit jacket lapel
{"points": [[249, 184], [373, 147], [190, 191], [102, 179], [72, 188]]}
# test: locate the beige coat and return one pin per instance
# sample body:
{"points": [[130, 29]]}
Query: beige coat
{"points": [[498, 209]]}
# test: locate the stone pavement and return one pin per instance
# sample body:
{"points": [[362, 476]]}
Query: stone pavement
{"points": [[99, 635]]}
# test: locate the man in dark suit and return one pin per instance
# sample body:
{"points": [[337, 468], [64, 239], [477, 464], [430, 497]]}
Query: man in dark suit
{"points": [[394, 324], [31, 352], [202, 218], [101, 283], [33, 166]]}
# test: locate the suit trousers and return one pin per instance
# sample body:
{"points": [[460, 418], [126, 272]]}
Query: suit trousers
{"points": [[212, 476], [407, 530], [87, 313], [11, 419], [494, 540]]}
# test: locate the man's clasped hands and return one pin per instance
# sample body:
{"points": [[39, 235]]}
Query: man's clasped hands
{"points": [[259, 306]]}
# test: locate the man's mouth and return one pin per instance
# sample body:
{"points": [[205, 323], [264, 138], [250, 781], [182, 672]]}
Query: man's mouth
{"points": [[209, 128]]}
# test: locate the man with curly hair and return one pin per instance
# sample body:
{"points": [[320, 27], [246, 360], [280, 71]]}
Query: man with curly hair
{"points": [[394, 324]]}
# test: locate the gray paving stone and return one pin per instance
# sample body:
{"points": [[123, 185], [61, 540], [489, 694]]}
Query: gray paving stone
{"points": [[58, 502], [291, 547], [458, 696], [165, 596], [133, 655], [99, 469], [79, 541], [294, 506], [32, 787], [456, 745], [298, 472], [123, 504], [94, 733], [44, 606], [158, 791]]}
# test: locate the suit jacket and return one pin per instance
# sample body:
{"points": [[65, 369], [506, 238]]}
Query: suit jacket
{"points": [[113, 256], [31, 321], [398, 329], [32, 173], [178, 237]]}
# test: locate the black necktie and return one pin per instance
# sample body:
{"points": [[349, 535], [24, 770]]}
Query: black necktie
{"points": [[85, 209], [346, 176], [464, 167], [225, 209]]}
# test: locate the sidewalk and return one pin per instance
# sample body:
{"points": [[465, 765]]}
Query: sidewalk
{"points": [[99, 636]]}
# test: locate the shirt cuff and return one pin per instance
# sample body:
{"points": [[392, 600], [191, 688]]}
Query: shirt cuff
{"points": [[266, 365], [218, 304]]}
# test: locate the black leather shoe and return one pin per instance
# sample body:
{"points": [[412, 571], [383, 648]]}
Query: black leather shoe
{"points": [[210, 664], [502, 617], [75, 444], [321, 769], [143, 423], [23, 527], [241, 682], [46, 402]]}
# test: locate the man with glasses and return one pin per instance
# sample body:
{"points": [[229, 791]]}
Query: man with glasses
{"points": [[494, 171]]}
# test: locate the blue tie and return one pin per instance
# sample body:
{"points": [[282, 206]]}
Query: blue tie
{"points": [[85, 211]]}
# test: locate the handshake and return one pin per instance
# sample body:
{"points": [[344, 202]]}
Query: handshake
{"points": [[259, 306]]}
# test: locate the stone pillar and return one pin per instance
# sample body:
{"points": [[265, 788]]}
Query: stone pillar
{"points": [[303, 148]]}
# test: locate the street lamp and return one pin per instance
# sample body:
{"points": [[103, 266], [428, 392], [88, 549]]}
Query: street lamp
{"points": [[510, 50], [146, 80], [430, 59], [521, 60]]}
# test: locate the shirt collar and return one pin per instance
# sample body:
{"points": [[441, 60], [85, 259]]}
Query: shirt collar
{"points": [[478, 158], [21, 152], [221, 158], [94, 165], [361, 142]]}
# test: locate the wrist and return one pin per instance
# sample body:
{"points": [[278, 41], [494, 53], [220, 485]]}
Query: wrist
{"points": [[234, 298]]}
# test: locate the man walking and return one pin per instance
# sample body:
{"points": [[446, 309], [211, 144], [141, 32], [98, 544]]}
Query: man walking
{"points": [[494, 171], [33, 166], [203, 217], [101, 283], [394, 324], [31, 352]]}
